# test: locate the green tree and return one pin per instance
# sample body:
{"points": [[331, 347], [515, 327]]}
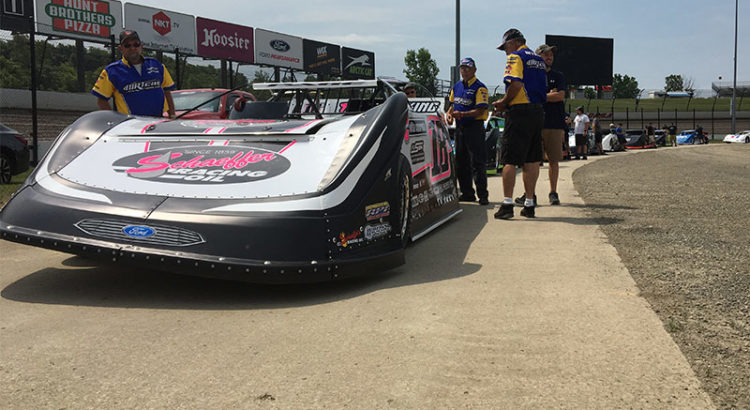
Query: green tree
{"points": [[261, 76], [674, 82], [421, 69], [625, 86], [589, 93]]}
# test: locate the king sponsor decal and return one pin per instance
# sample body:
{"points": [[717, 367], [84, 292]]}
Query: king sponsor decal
{"points": [[88, 17], [204, 165]]}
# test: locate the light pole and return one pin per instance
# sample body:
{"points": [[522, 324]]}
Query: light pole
{"points": [[454, 73], [734, 85]]}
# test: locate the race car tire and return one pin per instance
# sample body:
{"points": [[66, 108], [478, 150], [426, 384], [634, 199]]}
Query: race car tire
{"points": [[747, 140], [6, 169], [403, 211]]}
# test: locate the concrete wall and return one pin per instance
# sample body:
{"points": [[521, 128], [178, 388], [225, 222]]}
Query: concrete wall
{"points": [[47, 100]]}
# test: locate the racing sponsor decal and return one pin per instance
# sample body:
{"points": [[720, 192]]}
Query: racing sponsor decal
{"points": [[138, 231], [424, 106], [203, 165], [417, 127], [142, 85], [426, 196], [344, 240], [377, 231], [417, 152], [377, 211]]}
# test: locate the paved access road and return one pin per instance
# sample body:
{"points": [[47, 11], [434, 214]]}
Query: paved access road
{"points": [[485, 314]]}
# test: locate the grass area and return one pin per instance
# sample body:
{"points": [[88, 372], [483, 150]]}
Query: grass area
{"points": [[7, 190], [659, 104]]}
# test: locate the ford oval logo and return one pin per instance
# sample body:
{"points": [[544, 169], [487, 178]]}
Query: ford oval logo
{"points": [[280, 45], [138, 231]]}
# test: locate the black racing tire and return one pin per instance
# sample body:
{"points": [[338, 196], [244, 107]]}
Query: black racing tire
{"points": [[403, 207], [747, 140], [6, 169]]}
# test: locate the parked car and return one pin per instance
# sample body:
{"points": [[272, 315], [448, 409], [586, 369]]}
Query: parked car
{"points": [[690, 137], [660, 138], [218, 108], [741, 137], [14, 153], [637, 139], [611, 143], [494, 127]]}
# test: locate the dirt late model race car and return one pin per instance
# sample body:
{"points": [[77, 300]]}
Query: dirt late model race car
{"points": [[283, 191]]}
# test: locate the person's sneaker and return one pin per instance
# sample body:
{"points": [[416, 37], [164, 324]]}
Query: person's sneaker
{"points": [[505, 212], [554, 199], [528, 211], [484, 201], [466, 198], [521, 200]]}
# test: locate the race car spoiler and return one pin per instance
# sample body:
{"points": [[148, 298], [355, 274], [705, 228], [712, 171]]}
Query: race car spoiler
{"points": [[316, 85]]}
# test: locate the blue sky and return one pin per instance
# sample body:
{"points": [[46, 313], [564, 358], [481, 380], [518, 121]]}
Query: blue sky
{"points": [[652, 39]]}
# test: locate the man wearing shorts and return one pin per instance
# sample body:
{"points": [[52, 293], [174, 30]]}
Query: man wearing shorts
{"points": [[521, 144], [553, 133], [581, 131]]}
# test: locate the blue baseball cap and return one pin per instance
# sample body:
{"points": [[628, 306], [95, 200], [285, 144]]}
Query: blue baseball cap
{"points": [[468, 61]]}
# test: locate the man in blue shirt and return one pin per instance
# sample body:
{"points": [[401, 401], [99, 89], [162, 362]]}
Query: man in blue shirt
{"points": [[469, 100], [139, 85], [521, 145]]}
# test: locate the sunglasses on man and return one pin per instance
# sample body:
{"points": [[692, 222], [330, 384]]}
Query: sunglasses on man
{"points": [[131, 45]]}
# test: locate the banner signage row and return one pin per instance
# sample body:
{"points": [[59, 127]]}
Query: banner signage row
{"points": [[164, 30]]}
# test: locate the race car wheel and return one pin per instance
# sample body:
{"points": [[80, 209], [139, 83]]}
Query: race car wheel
{"points": [[5, 169], [747, 140], [404, 201]]}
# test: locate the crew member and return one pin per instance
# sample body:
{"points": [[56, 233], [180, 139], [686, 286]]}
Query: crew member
{"points": [[525, 91], [140, 85], [469, 100]]}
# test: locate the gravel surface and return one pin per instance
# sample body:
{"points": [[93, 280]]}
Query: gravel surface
{"points": [[680, 220]]}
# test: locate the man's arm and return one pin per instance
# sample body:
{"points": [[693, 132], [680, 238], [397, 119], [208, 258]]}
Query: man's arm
{"points": [[476, 112], [103, 104], [170, 103], [510, 94], [555, 96]]}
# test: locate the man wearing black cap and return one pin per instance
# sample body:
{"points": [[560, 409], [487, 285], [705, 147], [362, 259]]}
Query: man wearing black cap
{"points": [[139, 85], [469, 100], [521, 145]]}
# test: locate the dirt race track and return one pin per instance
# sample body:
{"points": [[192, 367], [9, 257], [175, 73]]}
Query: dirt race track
{"points": [[680, 220], [486, 314]]}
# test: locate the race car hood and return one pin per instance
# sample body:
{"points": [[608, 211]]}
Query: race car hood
{"points": [[210, 159]]}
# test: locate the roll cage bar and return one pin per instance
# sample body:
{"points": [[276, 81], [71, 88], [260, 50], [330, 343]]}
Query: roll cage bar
{"points": [[326, 98]]}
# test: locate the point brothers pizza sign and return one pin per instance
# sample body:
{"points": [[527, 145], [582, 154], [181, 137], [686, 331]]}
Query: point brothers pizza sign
{"points": [[92, 20]]}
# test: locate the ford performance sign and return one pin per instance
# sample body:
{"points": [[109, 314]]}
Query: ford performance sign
{"points": [[276, 49]]}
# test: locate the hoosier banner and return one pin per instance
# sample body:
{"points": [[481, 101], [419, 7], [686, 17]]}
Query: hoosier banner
{"points": [[224, 40], [91, 20]]}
